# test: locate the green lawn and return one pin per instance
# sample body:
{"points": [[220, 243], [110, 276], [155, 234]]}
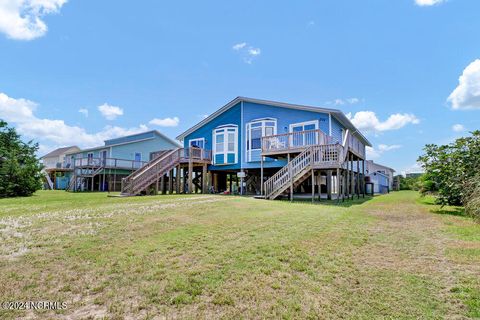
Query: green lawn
{"points": [[394, 256]]}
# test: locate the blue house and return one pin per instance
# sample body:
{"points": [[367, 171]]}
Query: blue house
{"points": [[273, 148], [103, 168]]}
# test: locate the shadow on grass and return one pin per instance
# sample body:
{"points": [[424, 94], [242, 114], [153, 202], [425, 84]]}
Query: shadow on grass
{"points": [[453, 211], [429, 201], [346, 203]]}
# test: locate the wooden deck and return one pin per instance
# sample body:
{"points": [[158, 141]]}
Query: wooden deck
{"points": [[294, 143]]}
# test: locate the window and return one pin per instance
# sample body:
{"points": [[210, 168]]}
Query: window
{"points": [[256, 129], [302, 138], [199, 143], [225, 144], [138, 160], [90, 157]]}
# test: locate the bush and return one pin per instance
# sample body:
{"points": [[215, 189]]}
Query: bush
{"points": [[471, 197], [449, 168], [20, 170]]}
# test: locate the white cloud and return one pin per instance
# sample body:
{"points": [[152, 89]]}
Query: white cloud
{"points": [[247, 52], [458, 127], [341, 102], [368, 121], [53, 132], [165, 122], [239, 46], [424, 3], [22, 19], [14, 110], [467, 94], [110, 112], [83, 111], [375, 153]]}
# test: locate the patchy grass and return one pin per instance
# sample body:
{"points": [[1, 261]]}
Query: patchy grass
{"points": [[232, 257]]}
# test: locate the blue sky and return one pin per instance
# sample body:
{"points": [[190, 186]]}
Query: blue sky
{"points": [[78, 72]]}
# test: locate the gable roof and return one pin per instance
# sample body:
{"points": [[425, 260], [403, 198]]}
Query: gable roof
{"points": [[161, 135], [130, 141], [371, 162], [339, 115], [59, 151]]}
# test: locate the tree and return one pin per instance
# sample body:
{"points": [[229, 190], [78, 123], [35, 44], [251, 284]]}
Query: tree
{"points": [[450, 168], [20, 170]]}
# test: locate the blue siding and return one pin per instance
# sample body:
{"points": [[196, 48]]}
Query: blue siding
{"points": [[132, 138], [231, 116], [285, 117], [336, 130], [145, 147], [249, 111], [145, 144]]}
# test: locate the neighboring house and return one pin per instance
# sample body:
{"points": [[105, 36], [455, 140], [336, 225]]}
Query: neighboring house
{"points": [[381, 176], [252, 141], [58, 167], [102, 168]]}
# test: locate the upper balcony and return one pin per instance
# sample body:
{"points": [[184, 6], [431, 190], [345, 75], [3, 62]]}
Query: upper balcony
{"points": [[296, 142]]}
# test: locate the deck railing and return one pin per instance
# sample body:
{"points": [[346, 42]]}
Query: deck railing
{"points": [[109, 163], [295, 140], [355, 145]]}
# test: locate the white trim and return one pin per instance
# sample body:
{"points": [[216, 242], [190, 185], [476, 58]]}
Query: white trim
{"points": [[242, 136], [344, 138], [330, 124], [196, 139], [224, 129], [306, 123], [248, 128]]}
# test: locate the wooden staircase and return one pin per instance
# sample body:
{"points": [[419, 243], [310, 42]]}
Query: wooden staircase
{"points": [[141, 179], [300, 168]]}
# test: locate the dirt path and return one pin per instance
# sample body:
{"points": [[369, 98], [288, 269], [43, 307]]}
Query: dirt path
{"points": [[408, 238]]}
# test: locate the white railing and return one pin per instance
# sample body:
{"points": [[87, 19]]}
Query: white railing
{"points": [[295, 140], [323, 156]]}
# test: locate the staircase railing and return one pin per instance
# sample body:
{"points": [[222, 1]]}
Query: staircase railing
{"points": [[287, 174], [145, 176], [139, 178], [324, 156]]}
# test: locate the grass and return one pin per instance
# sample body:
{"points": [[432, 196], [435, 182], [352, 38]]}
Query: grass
{"points": [[203, 256]]}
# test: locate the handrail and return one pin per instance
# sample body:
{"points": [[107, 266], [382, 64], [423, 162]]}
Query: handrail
{"points": [[295, 140], [330, 155], [288, 172], [143, 177]]}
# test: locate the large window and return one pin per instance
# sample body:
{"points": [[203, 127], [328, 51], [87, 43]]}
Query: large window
{"points": [[303, 134], [257, 129], [225, 144], [199, 143]]}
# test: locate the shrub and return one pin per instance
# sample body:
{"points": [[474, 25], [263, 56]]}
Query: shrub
{"points": [[471, 197], [20, 170], [448, 168]]}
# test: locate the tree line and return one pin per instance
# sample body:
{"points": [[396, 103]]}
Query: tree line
{"points": [[452, 172]]}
